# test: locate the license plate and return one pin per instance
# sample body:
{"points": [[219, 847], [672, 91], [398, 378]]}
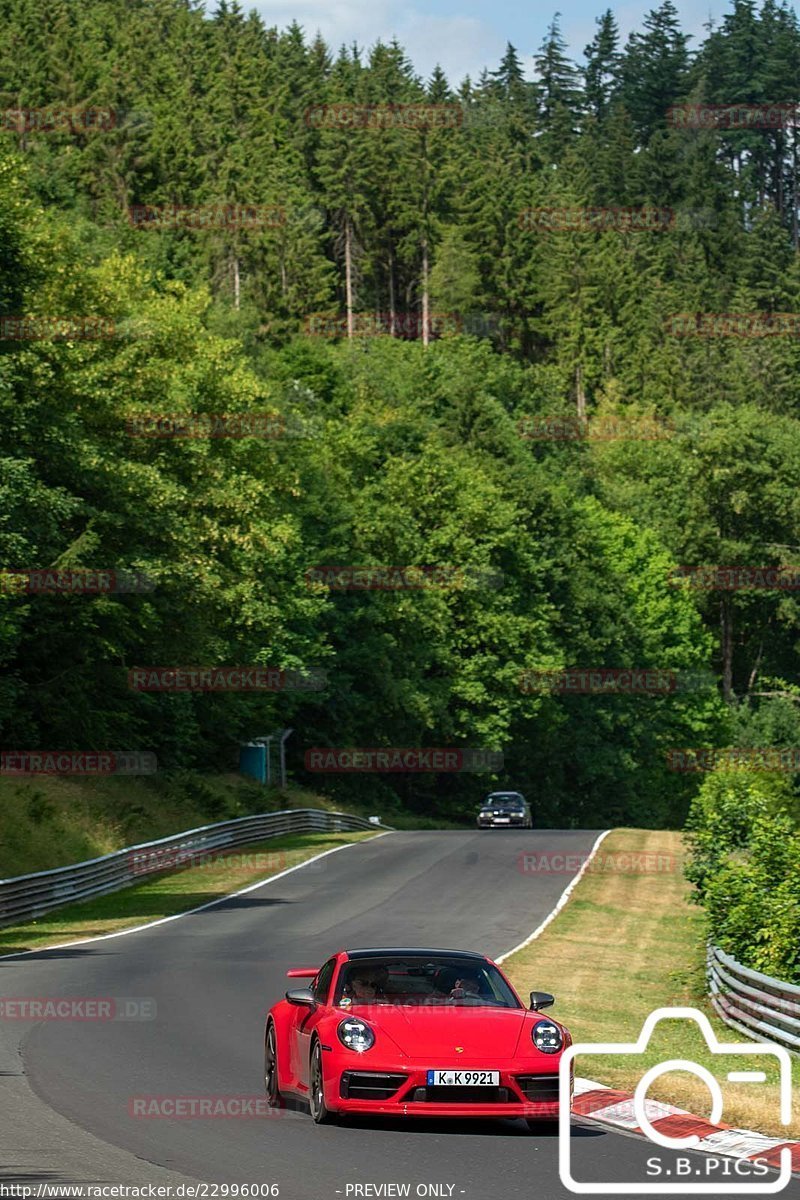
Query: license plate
{"points": [[503, 820], [463, 1078]]}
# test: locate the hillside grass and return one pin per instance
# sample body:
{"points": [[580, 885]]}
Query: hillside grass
{"points": [[624, 945], [54, 821]]}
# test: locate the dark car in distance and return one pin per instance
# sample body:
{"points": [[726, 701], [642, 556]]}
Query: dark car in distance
{"points": [[503, 810]]}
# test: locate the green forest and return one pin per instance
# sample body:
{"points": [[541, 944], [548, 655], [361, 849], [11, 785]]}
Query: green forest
{"points": [[415, 333]]}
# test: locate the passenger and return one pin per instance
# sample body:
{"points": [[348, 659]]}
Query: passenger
{"points": [[468, 986]]}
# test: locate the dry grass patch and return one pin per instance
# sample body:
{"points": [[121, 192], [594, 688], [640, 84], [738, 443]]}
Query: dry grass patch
{"points": [[626, 944]]}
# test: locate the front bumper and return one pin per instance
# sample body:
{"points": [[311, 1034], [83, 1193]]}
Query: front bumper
{"points": [[497, 823], [401, 1090]]}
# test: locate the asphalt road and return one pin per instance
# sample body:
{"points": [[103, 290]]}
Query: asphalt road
{"points": [[208, 978]]}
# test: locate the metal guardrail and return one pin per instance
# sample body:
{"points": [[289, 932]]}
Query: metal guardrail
{"points": [[757, 1005], [27, 897]]}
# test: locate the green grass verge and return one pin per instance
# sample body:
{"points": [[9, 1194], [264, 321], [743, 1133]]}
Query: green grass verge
{"points": [[54, 821], [626, 944], [172, 892]]}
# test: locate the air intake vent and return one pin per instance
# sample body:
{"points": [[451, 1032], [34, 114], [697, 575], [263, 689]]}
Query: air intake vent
{"points": [[370, 1085], [462, 1095], [539, 1087]]}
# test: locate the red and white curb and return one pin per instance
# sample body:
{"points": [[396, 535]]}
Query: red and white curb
{"points": [[613, 1107]]}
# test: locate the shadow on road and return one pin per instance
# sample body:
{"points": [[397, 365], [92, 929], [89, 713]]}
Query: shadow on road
{"points": [[463, 1127]]}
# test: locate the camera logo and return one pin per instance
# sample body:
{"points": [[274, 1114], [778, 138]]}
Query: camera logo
{"points": [[724, 1187]]}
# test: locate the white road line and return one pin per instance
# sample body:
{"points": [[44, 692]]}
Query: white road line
{"points": [[565, 895], [102, 937]]}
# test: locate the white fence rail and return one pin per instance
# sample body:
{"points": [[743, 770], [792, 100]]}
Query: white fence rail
{"points": [[26, 897], [757, 1005]]}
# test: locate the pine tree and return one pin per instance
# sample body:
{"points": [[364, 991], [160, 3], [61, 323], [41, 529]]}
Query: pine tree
{"points": [[425, 203], [344, 172], [601, 73], [455, 281], [607, 150], [508, 81], [392, 83], [655, 69], [780, 52], [559, 95]]}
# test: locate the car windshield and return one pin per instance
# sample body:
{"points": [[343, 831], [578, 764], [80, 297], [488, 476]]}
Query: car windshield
{"points": [[509, 801], [430, 980]]}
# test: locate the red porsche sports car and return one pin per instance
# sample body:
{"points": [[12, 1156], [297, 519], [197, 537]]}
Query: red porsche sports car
{"points": [[413, 1032]]}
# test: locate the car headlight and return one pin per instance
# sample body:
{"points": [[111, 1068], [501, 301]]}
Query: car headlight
{"points": [[355, 1035], [547, 1037]]}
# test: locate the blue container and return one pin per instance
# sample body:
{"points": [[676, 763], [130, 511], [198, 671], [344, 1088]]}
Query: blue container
{"points": [[253, 761]]}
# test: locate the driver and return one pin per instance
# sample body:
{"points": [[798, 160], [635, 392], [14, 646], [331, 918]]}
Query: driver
{"points": [[367, 983]]}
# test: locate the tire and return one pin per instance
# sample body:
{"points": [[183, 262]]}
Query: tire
{"points": [[274, 1097], [316, 1092]]}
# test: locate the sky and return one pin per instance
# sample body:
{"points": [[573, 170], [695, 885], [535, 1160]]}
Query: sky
{"points": [[466, 35]]}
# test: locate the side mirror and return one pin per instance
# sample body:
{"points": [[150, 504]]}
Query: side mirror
{"points": [[302, 996], [540, 1000]]}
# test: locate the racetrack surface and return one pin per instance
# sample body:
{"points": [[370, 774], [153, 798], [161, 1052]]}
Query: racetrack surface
{"points": [[214, 973]]}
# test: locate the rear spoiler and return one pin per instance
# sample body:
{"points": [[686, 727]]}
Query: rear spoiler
{"points": [[302, 972]]}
